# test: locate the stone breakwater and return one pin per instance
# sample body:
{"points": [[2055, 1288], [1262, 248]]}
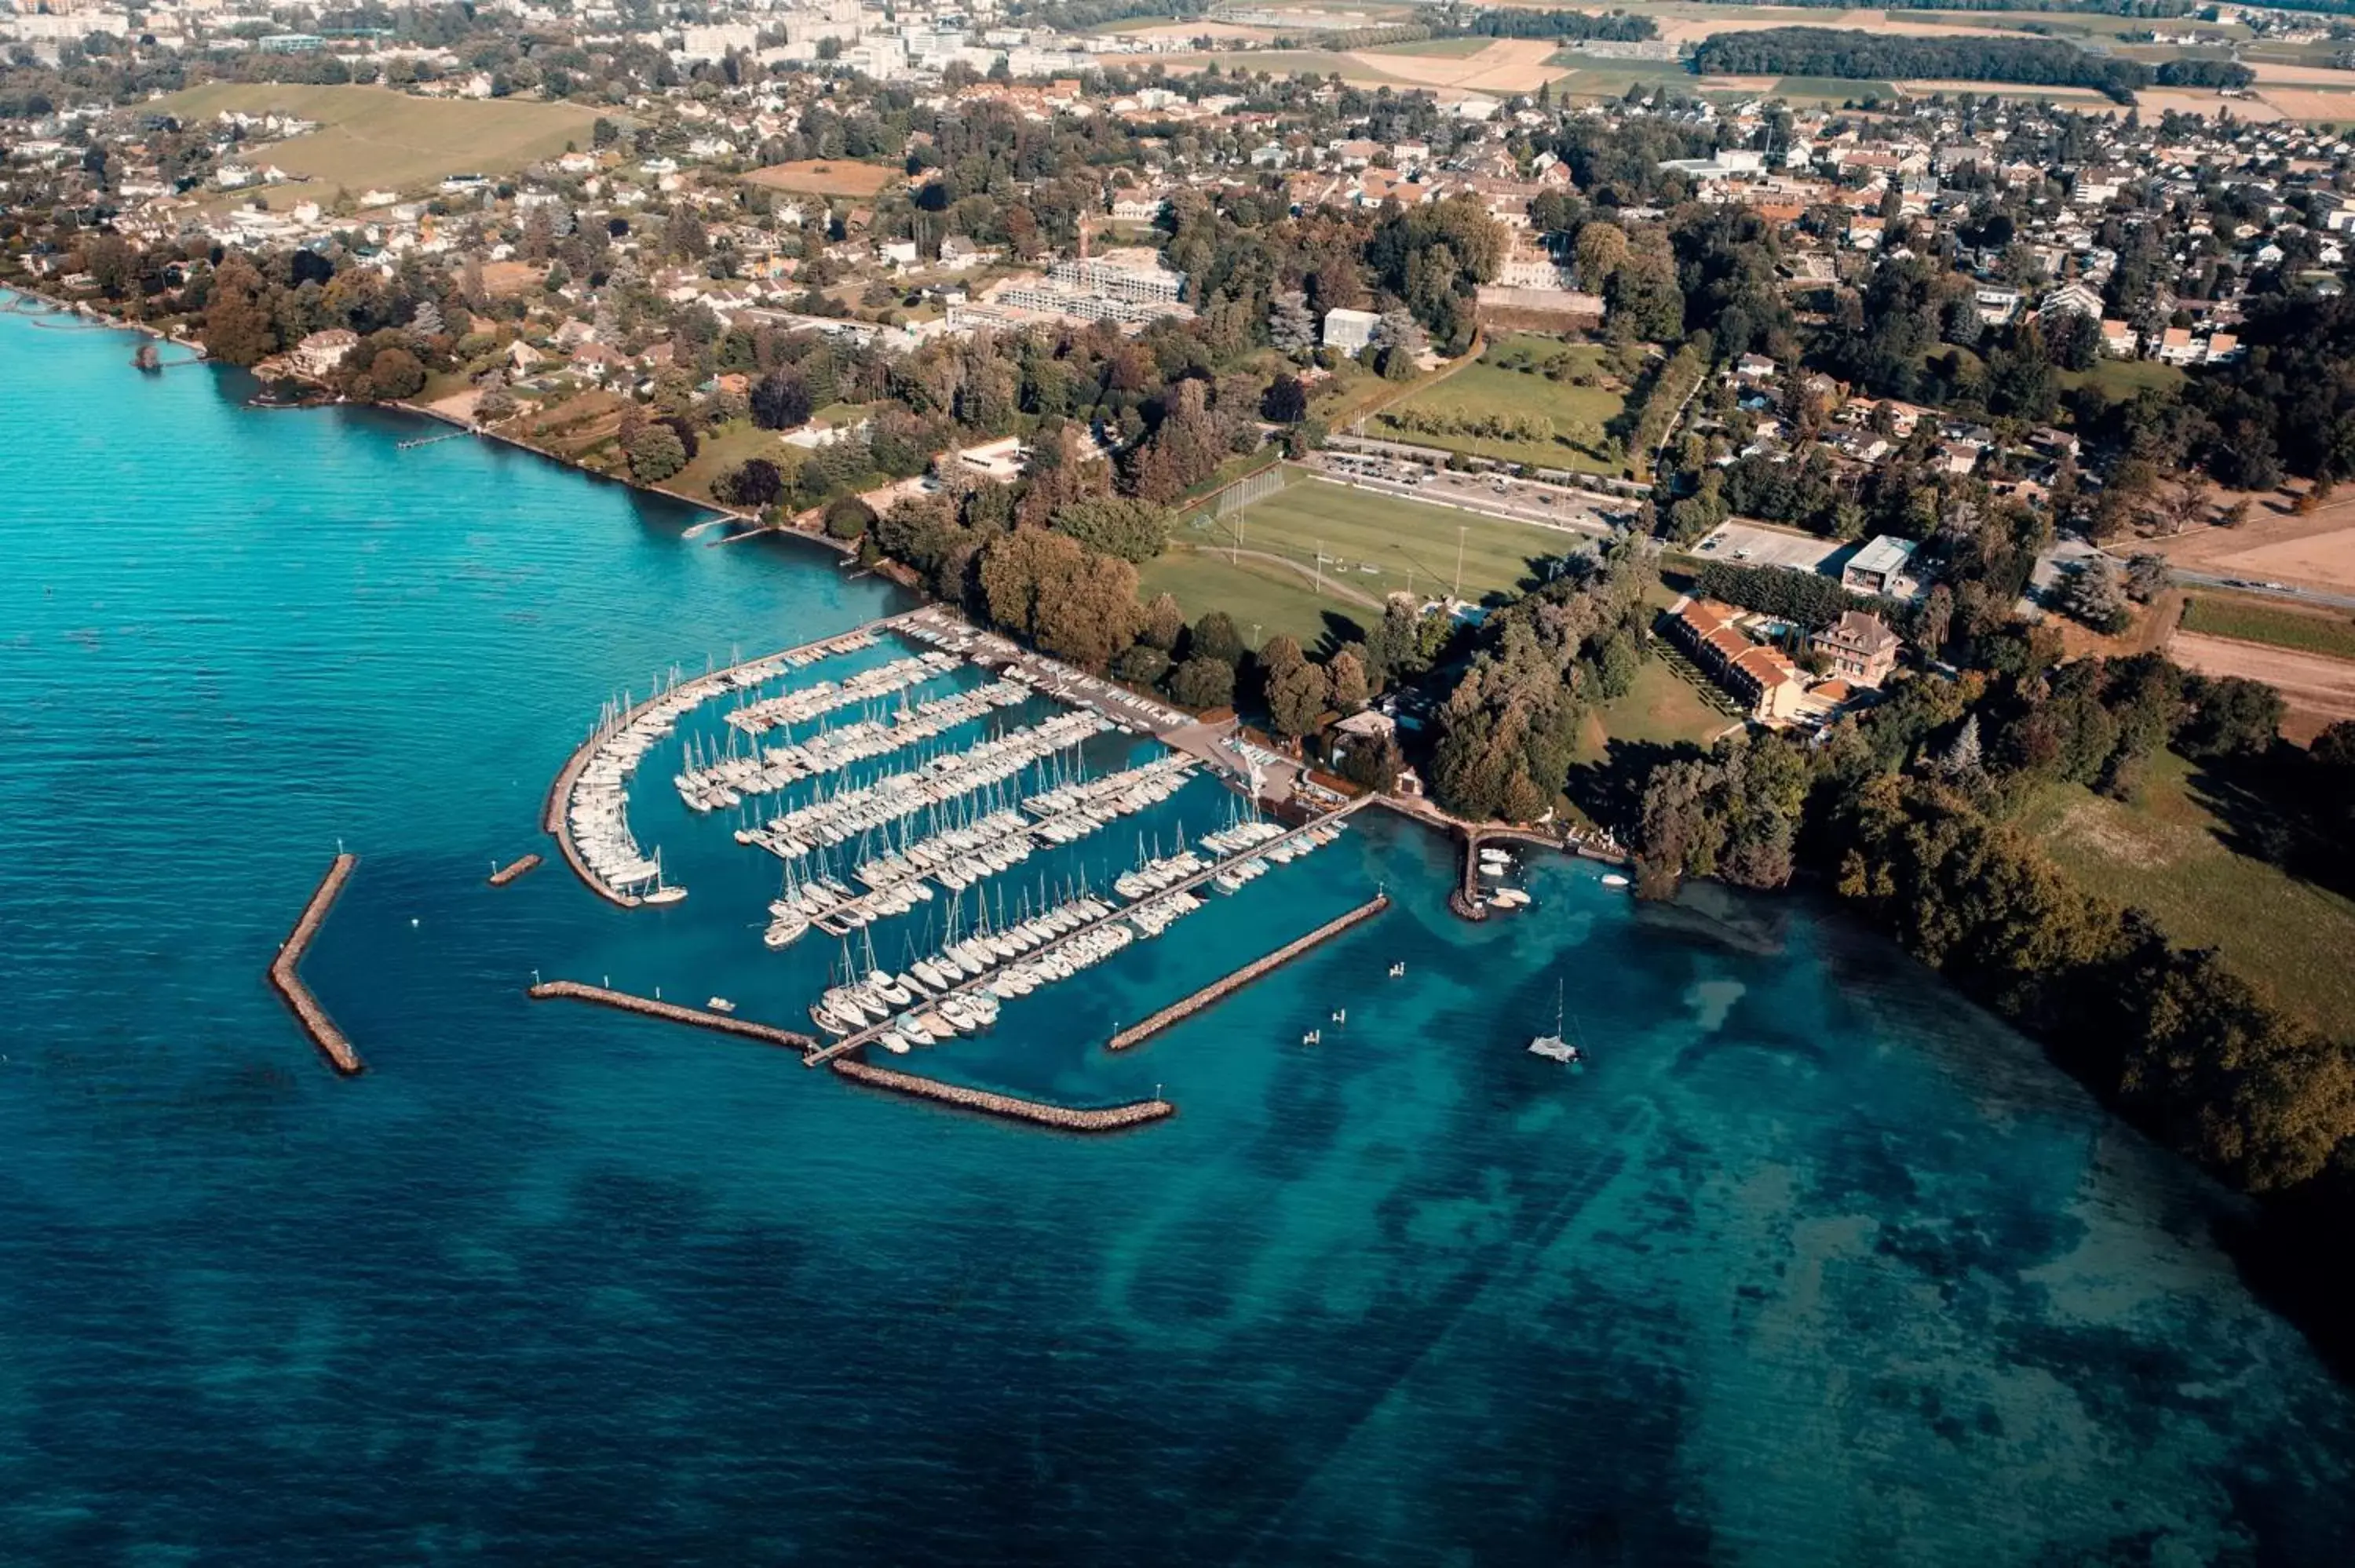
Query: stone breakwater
{"points": [[289, 983], [1178, 1011], [765, 1033], [512, 870], [1111, 1118]]}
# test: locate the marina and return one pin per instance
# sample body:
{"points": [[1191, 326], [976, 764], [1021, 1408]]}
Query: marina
{"points": [[918, 769], [285, 977]]}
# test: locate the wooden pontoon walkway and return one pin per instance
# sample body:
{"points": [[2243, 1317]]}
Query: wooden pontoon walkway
{"points": [[849, 1042], [556, 815]]}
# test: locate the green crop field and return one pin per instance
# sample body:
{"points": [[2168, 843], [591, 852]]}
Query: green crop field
{"points": [[1830, 89], [2252, 621], [1505, 387], [2166, 853], [1441, 48], [372, 136]]}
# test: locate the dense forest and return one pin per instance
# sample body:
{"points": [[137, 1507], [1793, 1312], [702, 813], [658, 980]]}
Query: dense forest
{"points": [[1616, 28], [1877, 56]]}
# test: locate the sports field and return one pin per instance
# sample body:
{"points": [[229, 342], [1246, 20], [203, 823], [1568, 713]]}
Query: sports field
{"points": [[372, 136], [1370, 545], [1505, 406]]}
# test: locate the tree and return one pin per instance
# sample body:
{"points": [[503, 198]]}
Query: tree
{"points": [[238, 327], [1164, 623], [1215, 636], [1134, 531], [781, 400], [1204, 682], [655, 454], [848, 517], [2146, 577], [1286, 400], [1296, 696], [2094, 596], [2230, 716], [755, 483], [1290, 326], [1142, 665], [394, 373], [1347, 674]]}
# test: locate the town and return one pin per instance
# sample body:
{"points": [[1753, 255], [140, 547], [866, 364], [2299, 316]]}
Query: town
{"points": [[1634, 427]]}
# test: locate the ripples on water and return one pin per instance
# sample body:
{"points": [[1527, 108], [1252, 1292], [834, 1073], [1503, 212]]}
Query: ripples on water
{"points": [[1815, 1264]]}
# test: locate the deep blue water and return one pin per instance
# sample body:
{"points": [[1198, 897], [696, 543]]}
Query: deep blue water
{"points": [[1816, 1265]]}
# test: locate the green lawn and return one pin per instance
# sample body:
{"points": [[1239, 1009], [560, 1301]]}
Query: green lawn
{"points": [[373, 136], [1507, 385], [2252, 620], [1662, 708], [723, 448], [1256, 593], [2120, 379], [2163, 853]]}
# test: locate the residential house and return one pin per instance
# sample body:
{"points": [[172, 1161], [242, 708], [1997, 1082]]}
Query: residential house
{"points": [[1765, 683], [1859, 647], [319, 355]]}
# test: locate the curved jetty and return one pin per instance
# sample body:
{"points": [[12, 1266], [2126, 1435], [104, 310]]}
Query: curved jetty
{"points": [[315, 1020], [1178, 1011], [1111, 1118], [767, 1034], [512, 870]]}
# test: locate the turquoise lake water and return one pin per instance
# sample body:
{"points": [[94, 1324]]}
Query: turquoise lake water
{"points": [[1815, 1264]]}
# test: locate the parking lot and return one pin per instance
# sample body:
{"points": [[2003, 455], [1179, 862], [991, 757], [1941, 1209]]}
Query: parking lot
{"points": [[1752, 545]]}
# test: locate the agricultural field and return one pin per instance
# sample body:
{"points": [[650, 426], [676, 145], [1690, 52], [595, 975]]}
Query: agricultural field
{"points": [[372, 136], [1502, 406], [825, 176], [2168, 853], [2252, 620], [1441, 48]]}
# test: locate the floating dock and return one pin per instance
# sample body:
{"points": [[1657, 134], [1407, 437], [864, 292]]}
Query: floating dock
{"points": [[1179, 1011], [1110, 1120], [850, 1043], [513, 869], [289, 983], [703, 1018], [556, 812]]}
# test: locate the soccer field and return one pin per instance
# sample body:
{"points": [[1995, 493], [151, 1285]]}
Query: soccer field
{"points": [[372, 136], [1316, 548]]}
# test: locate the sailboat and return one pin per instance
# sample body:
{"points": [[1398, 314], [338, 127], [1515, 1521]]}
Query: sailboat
{"points": [[1555, 1046]]}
